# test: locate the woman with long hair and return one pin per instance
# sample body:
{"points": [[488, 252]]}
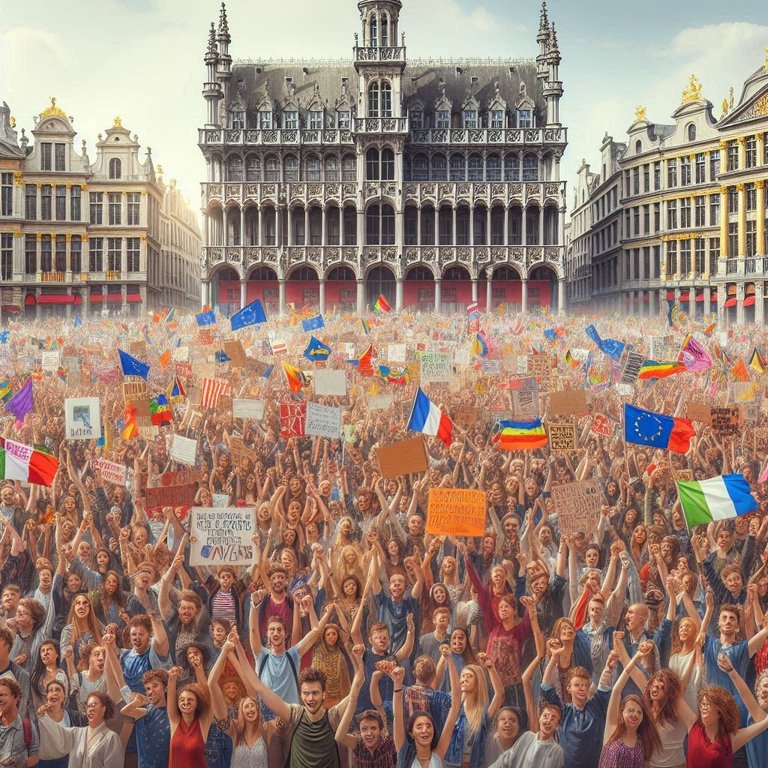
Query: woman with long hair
{"points": [[82, 625], [54, 707], [468, 740], [683, 658], [630, 737], [109, 602], [327, 655], [190, 715], [46, 670], [462, 654]]}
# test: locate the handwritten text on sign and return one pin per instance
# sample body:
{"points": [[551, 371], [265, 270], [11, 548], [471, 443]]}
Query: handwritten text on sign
{"points": [[110, 471], [578, 506], [456, 511], [221, 536]]}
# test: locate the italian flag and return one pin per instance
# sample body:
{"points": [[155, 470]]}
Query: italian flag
{"points": [[22, 462], [719, 498]]}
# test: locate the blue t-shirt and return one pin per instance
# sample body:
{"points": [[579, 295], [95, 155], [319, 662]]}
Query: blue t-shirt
{"points": [[738, 653], [279, 674], [153, 738], [136, 664], [757, 749], [393, 614]]}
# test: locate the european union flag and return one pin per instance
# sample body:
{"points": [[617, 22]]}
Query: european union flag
{"points": [[611, 347], [206, 318], [251, 314], [550, 335], [313, 323], [316, 350], [222, 357], [647, 428], [131, 366]]}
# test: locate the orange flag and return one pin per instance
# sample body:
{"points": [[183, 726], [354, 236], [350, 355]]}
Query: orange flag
{"points": [[739, 371], [165, 358]]}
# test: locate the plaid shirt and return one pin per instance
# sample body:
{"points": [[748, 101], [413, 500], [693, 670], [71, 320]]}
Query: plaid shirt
{"points": [[384, 756]]}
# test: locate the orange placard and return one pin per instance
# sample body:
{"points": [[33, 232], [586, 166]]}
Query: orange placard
{"points": [[456, 512]]}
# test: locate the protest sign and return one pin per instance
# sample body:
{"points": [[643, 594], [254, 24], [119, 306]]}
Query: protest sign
{"points": [[330, 382], [248, 409], [241, 452], [82, 417], [466, 415], [138, 348], [110, 471], [750, 412], [323, 421], [521, 366], [50, 361], [562, 437], [170, 496], [184, 371], [525, 399], [380, 402], [632, 365], [405, 457], [135, 390], [396, 353], [700, 412], [567, 402], [180, 355], [184, 450], [462, 356], [456, 512], [540, 366], [236, 354], [436, 367], [182, 477], [726, 421], [761, 441], [221, 536], [292, 419], [256, 367], [490, 367], [578, 506], [602, 425]]}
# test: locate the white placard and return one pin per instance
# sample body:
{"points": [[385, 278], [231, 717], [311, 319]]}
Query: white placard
{"points": [[221, 536], [184, 450], [82, 416], [50, 360], [380, 402], [522, 365], [111, 472], [248, 409], [436, 367], [323, 420], [330, 382], [220, 500], [462, 356], [396, 353], [348, 348], [181, 354]]}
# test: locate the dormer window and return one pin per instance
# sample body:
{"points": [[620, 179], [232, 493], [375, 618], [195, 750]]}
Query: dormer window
{"points": [[469, 118], [416, 117], [497, 118], [115, 169], [442, 119], [525, 118], [265, 120], [291, 120], [316, 119], [237, 120], [343, 120]]}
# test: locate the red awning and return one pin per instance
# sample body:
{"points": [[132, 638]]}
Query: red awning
{"points": [[730, 303], [96, 297], [11, 308], [114, 297], [670, 295], [749, 301], [713, 297], [55, 299], [700, 297], [30, 300], [685, 297], [134, 297], [78, 299]]}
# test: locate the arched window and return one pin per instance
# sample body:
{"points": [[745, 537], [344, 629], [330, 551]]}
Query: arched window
{"points": [[373, 32], [512, 167], [384, 31], [271, 169], [291, 168], [380, 225], [638, 147], [458, 168], [386, 100], [373, 100], [349, 168], [493, 168], [420, 167], [691, 132], [530, 168], [439, 168], [372, 164], [234, 168], [115, 169], [387, 164], [416, 118], [313, 168], [331, 168], [253, 168]]}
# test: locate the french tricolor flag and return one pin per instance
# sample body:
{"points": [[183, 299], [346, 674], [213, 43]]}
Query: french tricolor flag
{"points": [[426, 417]]}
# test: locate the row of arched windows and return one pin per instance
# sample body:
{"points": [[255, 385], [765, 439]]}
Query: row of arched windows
{"points": [[271, 168], [473, 167]]}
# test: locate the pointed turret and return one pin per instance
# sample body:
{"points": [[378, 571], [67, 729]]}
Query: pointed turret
{"points": [[211, 88], [543, 40], [223, 38]]}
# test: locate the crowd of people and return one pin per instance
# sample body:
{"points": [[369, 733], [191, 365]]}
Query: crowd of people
{"points": [[357, 636]]}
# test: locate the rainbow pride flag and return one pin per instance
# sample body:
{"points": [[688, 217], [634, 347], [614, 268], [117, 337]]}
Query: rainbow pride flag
{"points": [[653, 370], [520, 435], [382, 305]]}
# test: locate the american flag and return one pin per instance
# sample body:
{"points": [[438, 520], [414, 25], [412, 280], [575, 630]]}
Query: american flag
{"points": [[279, 347], [212, 390]]}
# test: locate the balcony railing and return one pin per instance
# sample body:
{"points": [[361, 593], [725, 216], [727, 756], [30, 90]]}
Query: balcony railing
{"points": [[52, 277], [386, 53], [114, 275], [274, 136], [497, 136], [381, 124]]}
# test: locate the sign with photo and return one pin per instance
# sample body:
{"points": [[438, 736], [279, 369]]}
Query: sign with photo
{"points": [[82, 416]]}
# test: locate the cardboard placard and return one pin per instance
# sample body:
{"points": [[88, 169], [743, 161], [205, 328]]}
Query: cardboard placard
{"points": [[436, 367], [750, 413], [50, 360], [143, 414], [248, 409], [293, 417], [466, 415], [562, 437], [184, 450], [578, 506], [138, 348], [82, 418], [567, 402], [221, 536], [405, 457], [170, 496], [256, 367], [380, 402], [330, 382], [700, 412], [135, 389], [632, 365], [540, 366], [726, 421], [456, 512], [236, 354], [323, 421], [111, 472], [761, 441], [182, 477], [602, 425], [241, 452]]}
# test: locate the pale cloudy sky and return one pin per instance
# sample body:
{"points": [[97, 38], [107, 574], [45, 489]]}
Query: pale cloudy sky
{"points": [[143, 59]]}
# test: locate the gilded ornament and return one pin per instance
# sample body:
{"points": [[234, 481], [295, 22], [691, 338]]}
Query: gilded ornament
{"points": [[640, 113], [13, 121], [18, 178], [761, 105], [53, 110], [724, 107], [118, 122], [692, 91]]}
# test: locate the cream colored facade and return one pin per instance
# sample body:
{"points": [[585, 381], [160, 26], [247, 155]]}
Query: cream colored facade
{"points": [[691, 212], [81, 236]]}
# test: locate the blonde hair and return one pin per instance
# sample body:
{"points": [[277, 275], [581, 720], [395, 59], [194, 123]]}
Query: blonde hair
{"points": [[475, 710]]}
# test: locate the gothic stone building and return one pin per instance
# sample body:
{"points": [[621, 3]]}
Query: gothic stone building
{"points": [[434, 183]]}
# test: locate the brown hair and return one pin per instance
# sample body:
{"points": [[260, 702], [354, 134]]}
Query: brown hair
{"points": [[155, 674], [673, 684], [646, 730], [203, 703], [141, 620], [728, 709], [313, 675], [12, 686], [35, 609], [576, 672], [106, 702]]}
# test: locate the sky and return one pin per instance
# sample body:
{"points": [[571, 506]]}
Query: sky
{"points": [[143, 59]]}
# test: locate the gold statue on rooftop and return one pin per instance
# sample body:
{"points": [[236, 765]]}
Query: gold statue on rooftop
{"points": [[692, 91], [640, 113]]}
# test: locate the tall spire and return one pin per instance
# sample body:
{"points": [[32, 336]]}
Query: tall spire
{"points": [[543, 18], [553, 38], [212, 50], [223, 24]]}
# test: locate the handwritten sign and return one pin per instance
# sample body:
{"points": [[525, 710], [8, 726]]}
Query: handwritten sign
{"points": [[184, 450], [135, 390], [540, 366], [436, 367], [632, 366], [170, 496], [466, 415], [82, 417], [602, 425], [456, 512], [50, 360], [525, 399], [330, 382], [323, 421], [567, 402], [396, 353], [405, 457], [578, 506], [292, 419], [726, 421], [248, 409], [562, 437], [110, 471], [380, 402], [221, 536], [241, 452]]}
